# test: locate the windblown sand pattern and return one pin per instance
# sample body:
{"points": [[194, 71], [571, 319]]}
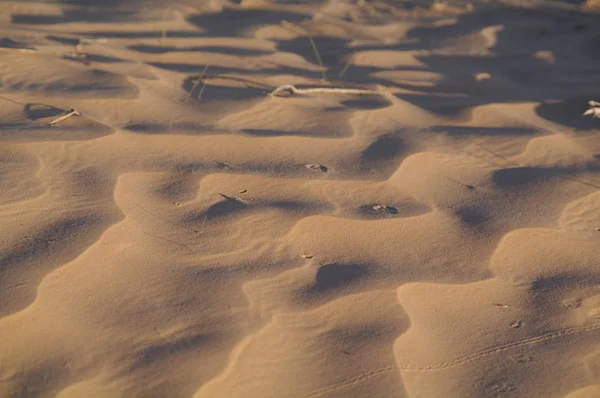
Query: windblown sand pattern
{"points": [[290, 199]]}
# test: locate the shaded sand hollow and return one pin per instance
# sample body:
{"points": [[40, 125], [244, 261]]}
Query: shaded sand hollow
{"points": [[429, 229]]}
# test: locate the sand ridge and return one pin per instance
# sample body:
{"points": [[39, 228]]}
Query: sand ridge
{"points": [[419, 217]]}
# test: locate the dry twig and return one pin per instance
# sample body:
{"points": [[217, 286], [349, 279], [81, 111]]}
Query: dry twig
{"points": [[72, 112], [288, 90]]}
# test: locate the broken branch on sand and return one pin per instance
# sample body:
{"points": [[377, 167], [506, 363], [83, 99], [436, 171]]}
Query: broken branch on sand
{"points": [[288, 90], [72, 112]]}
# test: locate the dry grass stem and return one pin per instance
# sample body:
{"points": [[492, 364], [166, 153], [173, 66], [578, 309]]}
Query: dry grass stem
{"points": [[198, 81], [295, 29], [346, 67], [314, 47]]}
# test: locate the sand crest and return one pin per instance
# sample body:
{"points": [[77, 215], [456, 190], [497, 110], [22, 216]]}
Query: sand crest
{"points": [[291, 199]]}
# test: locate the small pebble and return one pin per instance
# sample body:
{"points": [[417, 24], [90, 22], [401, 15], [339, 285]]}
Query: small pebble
{"points": [[516, 324], [307, 256], [243, 191]]}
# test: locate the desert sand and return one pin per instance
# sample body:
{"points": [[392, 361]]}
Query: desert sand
{"points": [[417, 216]]}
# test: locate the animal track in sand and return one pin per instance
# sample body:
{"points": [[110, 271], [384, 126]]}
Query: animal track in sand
{"points": [[506, 247], [461, 360], [502, 348]]}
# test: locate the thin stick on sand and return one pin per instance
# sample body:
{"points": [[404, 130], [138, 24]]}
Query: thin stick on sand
{"points": [[296, 29], [288, 90], [73, 112]]}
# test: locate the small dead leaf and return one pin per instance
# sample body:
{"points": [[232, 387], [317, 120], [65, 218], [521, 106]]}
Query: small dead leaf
{"points": [[222, 165], [385, 209], [316, 167], [516, 324], [594, 110]]}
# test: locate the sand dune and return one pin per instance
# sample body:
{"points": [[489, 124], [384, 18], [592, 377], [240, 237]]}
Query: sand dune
{"points": [[424, 224]]}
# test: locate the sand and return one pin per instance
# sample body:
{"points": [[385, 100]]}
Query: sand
{"points": [[417, 216]]}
